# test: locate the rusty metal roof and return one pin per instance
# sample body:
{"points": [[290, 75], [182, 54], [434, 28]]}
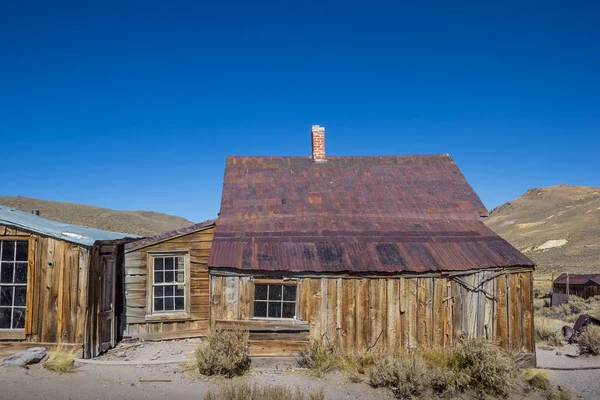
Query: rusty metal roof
{"points": [[579, 279], [354, 214]]}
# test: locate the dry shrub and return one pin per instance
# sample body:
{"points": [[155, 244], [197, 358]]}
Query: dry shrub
{"points": [[407, 377], [546, 332], [589, 340], [245, 391], [538, 379], [224, 352], [61, 359], [320, 357], [562, 394]]}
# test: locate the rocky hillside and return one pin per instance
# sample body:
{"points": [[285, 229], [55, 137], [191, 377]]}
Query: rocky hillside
{"points": [[144, 223], [558, 227]]}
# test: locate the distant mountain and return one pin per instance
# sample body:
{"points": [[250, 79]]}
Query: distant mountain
{"points": [[144, 223], [558, 227]]}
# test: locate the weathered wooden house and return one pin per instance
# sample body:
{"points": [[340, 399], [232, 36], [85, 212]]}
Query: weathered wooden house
{"points": [[57, 283], [366, 251], [582, 285], [166, 284]]}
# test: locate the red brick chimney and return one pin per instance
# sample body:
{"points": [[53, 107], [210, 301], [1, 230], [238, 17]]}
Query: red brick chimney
{"points": [[318, 144]]}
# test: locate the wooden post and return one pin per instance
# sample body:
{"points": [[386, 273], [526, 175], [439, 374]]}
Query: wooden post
{"points": [[567, 286]]}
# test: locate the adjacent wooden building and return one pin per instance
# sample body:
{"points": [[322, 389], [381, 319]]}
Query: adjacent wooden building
{"points": [[57, 283], [581, 285]]}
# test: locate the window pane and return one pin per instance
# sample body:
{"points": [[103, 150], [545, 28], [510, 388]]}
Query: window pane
{"points": [[169, 304], [260, 309], [6, 294], [289, 293], [22, 251], [18, 318], [20, 296], [260, 292], [158, 291], [289, 310], [8, 251], [168, 263], [179, 290], [169, 276], [180, 276], [169, 291], [158, 264], [275, 292], [179, 263], [159, 277], [21, 272], [5, 318], [274, 310], [159, 304], [179, 303], [6, 273]]}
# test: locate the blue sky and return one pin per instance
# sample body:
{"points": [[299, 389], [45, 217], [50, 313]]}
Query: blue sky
{"points": [[134, 105]]}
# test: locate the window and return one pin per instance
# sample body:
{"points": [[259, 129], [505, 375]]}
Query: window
{"points": [[275, 301], [169, 283], [13, 283]]}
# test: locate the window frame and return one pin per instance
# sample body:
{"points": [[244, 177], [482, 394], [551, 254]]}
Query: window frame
{"points": [[19, 333], [151, 314], [267, 301]]}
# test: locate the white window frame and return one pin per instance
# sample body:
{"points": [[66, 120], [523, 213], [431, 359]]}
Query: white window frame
{"points": [[267, 301], [15, 285], [151, 314]]}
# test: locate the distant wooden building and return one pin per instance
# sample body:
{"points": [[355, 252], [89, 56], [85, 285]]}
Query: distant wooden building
{"points": [[57, 283], [581, 285], [369, 252]]}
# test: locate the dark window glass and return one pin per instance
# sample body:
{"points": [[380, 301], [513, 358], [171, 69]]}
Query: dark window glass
{"points": [[6, 295], [8, 251], [159, 277], [179, 303], [169, 291], [274, 310], [260, 292], [5, 317], [158, 304], [20, 296], [289, 310], [289, 293], [169, 304], [158, 291], [179, 290], [22, 251], [260, 308], [18, 318], [20, 272], [158, 264], [275, 292], [6, 272], [169, 263], [169, 277]]}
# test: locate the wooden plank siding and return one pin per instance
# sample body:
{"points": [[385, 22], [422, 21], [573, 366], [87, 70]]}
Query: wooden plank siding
{"points": [[136, 320], [392, 313]]}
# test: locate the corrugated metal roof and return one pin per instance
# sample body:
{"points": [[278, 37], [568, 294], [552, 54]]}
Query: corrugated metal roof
{"points": [[168, 235], [60, 230], [354, 214], [579, 279]]}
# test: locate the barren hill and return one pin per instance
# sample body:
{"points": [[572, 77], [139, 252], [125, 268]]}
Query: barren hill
{"points": [[144, 223], [558, 227]]}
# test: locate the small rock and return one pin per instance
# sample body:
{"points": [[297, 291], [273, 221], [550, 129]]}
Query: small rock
{"points": [[31, 356], [132, 384]]}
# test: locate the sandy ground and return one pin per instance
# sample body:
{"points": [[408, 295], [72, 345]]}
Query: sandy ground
{"points": [[586, 383]]}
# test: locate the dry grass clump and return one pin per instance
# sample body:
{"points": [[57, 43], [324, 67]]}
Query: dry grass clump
{"points": [[61, 359], [546, 332], [224, 352], [589, 340], [476, 365], [538, 379], [320, 357], [245, 391]]}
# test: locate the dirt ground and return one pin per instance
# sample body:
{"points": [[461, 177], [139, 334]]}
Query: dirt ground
{"points": [[104, 380]]}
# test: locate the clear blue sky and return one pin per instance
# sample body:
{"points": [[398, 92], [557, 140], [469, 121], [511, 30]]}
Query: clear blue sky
{"points": [[134, 105]]}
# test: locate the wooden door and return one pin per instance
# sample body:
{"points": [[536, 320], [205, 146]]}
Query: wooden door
{"points": [[106, 313]]}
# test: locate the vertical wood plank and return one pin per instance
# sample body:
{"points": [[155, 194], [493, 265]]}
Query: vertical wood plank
{"points": [[411, 313], [363, 327], [348, 311], [331, 324], [439, 289], [378, 312], [29, 306], [315, 308], [393, 315], [527, 311]]}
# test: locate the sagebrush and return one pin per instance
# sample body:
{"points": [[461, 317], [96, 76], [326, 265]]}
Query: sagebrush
{"points": [[320, 357], [61, 359], [589, 340], [245, 391], [224, 352], [546, 332]]}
